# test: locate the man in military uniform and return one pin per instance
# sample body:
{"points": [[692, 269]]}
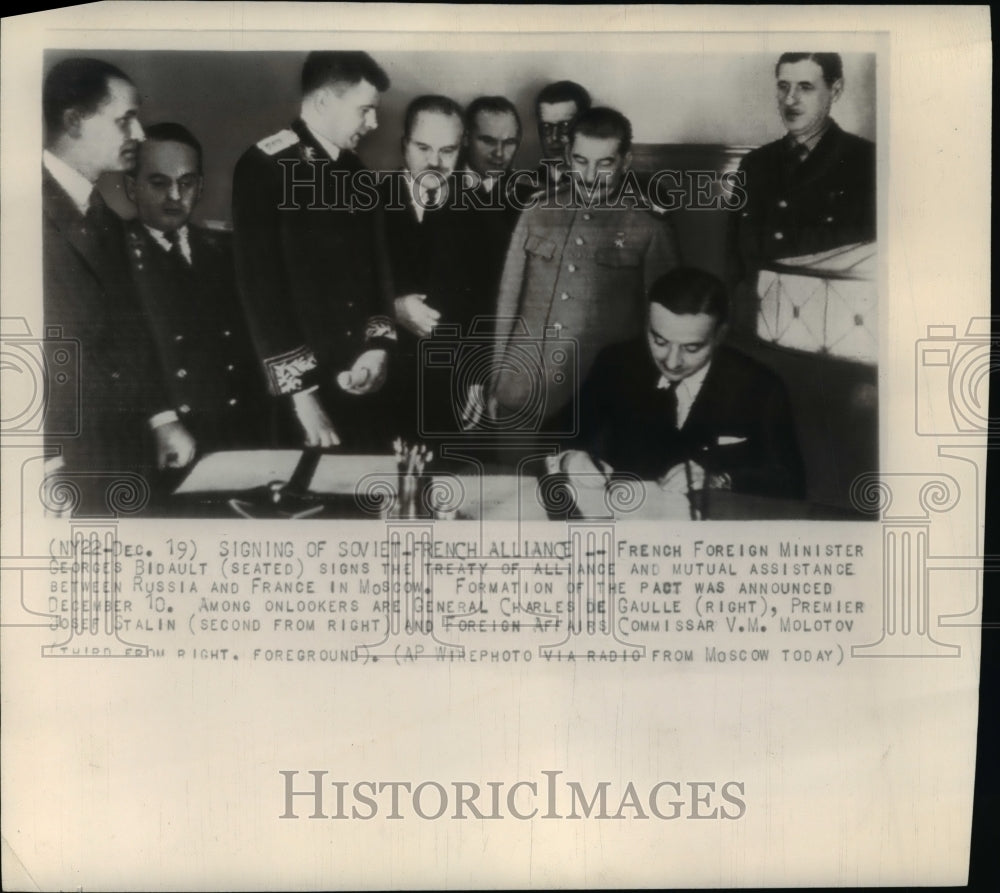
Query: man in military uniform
{"points": [[575, 279], [124, 424], [810, 191], [184, 277], [308, 265]]}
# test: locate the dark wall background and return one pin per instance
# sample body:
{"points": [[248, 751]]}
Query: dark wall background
{"points": [[233, 99]]}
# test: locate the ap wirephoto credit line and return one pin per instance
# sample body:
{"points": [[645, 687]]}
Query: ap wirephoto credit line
{"points": [[497, 450]]}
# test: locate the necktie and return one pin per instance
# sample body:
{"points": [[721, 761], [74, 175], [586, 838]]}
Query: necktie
{"points": [[670, 406], [176, 252]]}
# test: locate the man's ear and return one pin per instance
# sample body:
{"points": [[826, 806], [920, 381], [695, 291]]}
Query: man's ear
{"points": [[129, 179], [197, 192], [627, 160], [721, 331], [837, 89], [71, 121]]}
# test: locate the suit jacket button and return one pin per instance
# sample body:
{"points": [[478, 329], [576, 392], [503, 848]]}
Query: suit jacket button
{"points": [[564, 296], [779, 236], [181, 373], [184, 408], [178, 338], [230, 367], [782, 204], [587, 216], [579, 240], [226, 333], [572, 268], [232, 401]]}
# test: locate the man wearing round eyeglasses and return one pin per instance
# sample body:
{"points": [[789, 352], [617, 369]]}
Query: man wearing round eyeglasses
{"points": [[556, 106]]}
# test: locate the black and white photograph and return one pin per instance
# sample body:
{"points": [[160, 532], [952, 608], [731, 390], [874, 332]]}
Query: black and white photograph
{"points": [[364, 371], [344, 284]]}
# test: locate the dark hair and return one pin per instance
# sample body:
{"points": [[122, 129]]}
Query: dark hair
{"points": [[603, 122], [689, 290], [830, 63], [341, 67], [563, 91], [78, 83], [493, 105], [429, 103], [170, 132]]}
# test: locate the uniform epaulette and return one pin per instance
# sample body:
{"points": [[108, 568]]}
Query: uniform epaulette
{"points": [[276, 142]]}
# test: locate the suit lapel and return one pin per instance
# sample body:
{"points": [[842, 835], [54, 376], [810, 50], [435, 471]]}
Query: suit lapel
{"points": [[705, 407], [58, 207]]}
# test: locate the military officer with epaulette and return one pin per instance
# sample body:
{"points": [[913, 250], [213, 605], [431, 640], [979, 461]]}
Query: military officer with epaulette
{"points": [[309, 267], [810, 191], [183, 276], [575, 278]]}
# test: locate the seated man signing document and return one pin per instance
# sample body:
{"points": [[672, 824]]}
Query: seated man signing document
{"points": [[679, 407]]}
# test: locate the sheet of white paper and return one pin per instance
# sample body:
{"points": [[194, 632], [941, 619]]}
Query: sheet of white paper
{"points": [[193, 704], [239, 470]]}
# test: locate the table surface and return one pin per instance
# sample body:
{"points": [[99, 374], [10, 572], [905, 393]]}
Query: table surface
{"points": [[359, 486]]}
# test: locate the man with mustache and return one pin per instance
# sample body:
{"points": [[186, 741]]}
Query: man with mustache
{"points": [[421, 253], [184, 278], [125, 423], [810, 191], [575, 279], [308, 264]]}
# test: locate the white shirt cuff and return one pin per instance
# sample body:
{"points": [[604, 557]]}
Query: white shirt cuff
{"points": [[163, 418]]}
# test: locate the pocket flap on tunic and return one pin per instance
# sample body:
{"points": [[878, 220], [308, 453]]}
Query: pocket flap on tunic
{"points": [[540, 246]]}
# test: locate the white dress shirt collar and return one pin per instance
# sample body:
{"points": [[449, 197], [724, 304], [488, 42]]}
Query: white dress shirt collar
{"points": [[687, 390], [73, 183], [418, 207]]}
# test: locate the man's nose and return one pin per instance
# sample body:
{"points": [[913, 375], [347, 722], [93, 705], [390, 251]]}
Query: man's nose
{"points": [[371, 119], [174, 191], [135, 130], [791, 97], [673, 357]]}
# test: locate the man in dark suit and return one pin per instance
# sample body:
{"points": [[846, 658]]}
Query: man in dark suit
{"points": [[422, 256], [490, 203], [810, 191], [125, 424], [184, 278], [308, 264], [679, 407]]}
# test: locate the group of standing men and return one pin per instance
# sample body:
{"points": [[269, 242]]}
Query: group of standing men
{"points": [[351, 298]]}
